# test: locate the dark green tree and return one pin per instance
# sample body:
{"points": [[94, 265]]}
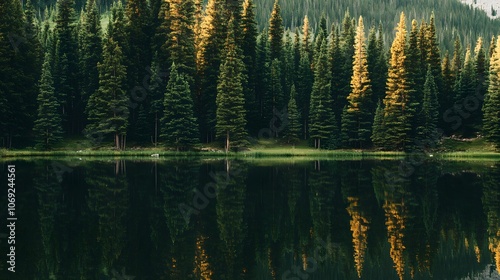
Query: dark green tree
{"points": [[427, 133], [293, 122], [48, 123], [304, 83], [231, 113], [108, 107], [180, 42], [66, 67], [378, 129], [179, 125], [90, 50], [276, 31], [322, 123]]}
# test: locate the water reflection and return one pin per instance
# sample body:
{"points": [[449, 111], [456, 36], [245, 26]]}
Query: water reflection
{"points": [[232, 219]]}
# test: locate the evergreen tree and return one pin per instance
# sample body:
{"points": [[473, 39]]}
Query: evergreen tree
{"points": [[179, 126], [157, 91], [491, 119], [446, 96], [433, 53], [358, 117], [48, 124], [231, 113], [430, 112], [212, 41], [276, 98], [347, 54], [293, 126], [306, 38], [263, 73], [276, 32], [249, 48], [181, 44], [304, 82], [90, 50], [397, 109], [107, 107], [377, 69], [378, 129], [66, 67], [322, 123], [465, 87]]}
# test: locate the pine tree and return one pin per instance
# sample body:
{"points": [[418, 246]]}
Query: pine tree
{"points": [[181, 43], [179, 126], [48, 123], [397, 109], [276, 32], [263, 73], [465, 87], [378, 129], [231, 113], [322, 123], [358, 118], [107, 107], [276, 97], [66, 67], [293, 122], [304, 82], [446, 96], [347, 54], [491, 119], [377, 69], [90, 50], [212, 41], [249, 48], [427, 133]]}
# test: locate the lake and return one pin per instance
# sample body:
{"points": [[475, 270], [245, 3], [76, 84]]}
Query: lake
{"points": [[253, 219]]}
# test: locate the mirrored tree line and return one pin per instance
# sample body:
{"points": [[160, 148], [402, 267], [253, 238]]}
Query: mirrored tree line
{"points": [[100, 220]]}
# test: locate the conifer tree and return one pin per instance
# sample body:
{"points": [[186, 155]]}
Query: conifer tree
{"points": [[433, 53], [213, 36], [66, 67], [306, 37], [377, 69], [48, 123], [90, 50], [276, 32], [293, 125], [304, 82], [358, 118], [276, 98], [397, 109], [378, 129], [249, 47], [231, 113], [427, 132], [347, 54], [322, 123], [263, 73], [179, 125], [491, 119], [446, 96], [107, 107], [181, 43], [466, 87]]}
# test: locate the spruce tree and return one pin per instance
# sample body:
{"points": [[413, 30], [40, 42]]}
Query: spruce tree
{"points": [[47, 128], [181, 43], [108, 107], [491, 119], [213, 36], [249, 48], [304, 82], [66, 67], [293, 122], [276, 97], [230, 101], [465, 87], [179, 125], [276, 32], [358, 118], [376, 65], [427, 133], [397, 107], [90, 50], [263, 73], [378, 129], [322, 123]]}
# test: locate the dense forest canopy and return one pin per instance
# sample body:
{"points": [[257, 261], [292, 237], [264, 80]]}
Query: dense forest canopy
{"points": [[452, 17], [185, 72]]}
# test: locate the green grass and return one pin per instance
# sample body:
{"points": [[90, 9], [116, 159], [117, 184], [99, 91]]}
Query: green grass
{"points": [[260, 149]]}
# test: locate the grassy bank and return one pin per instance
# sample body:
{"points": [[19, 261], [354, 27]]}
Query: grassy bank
{"points": [[450, 149]]}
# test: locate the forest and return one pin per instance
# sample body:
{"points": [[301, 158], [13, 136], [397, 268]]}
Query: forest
{"points": [[183, 74]]}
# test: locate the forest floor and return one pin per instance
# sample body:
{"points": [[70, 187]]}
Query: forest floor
{"points": [[449, 148]]}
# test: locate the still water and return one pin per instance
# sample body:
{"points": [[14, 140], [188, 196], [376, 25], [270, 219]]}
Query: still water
{"points": [[218, 219]]}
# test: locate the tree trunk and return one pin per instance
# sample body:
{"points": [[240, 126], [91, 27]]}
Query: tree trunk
{"points": [[156, 129], [319, 143], [117, 141], [227, 141]]}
